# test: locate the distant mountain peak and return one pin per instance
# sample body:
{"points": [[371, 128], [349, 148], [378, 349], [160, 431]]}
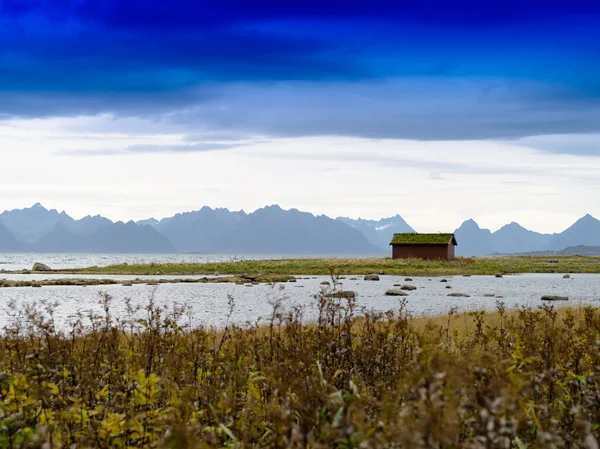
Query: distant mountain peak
{"points": [[38, 206], [513, 225], [469, 224]]}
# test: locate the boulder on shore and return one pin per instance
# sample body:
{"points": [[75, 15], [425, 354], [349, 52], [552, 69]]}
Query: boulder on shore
{"points": [[395, 292], [371, 277], [555, 298], [40, 267]]}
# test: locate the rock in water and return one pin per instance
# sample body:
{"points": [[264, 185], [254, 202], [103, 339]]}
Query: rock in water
{"points": [[40, 267], [408, 287], [395, 292], [498, 275], [371, 277], [341, 294], [567, 276], [408, 280], [459, 295], [555, 298]]}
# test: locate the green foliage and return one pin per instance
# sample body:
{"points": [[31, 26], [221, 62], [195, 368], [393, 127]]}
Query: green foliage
{"points": [[414, 238], [525, 379], [402, 267]]}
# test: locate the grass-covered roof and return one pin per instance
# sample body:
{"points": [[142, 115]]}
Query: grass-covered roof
{"points": [[422, 239]]}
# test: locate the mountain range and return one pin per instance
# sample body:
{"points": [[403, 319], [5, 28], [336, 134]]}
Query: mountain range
{"points": [[514, 238], [269, 230], [37, 229]]}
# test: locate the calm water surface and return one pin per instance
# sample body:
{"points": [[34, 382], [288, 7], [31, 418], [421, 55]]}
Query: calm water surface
{"points": [[207, 303]]}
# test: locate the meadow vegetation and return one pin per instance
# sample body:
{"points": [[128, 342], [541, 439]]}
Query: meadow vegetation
{"points": [[523, 379], [356, 266]]}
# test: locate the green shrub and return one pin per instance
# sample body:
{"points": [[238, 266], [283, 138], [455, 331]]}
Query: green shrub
{"points": [[530, 378]]}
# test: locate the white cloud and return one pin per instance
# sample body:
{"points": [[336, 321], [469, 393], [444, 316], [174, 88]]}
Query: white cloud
{"points": [[493, 182]]}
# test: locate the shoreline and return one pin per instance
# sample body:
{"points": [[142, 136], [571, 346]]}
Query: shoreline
{"points": [[350, 266], [82, 282]]}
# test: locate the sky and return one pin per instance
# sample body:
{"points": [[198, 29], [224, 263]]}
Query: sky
{"points": [[439, 111]]}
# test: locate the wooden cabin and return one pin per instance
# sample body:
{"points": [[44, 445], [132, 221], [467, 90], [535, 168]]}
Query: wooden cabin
{"points": [[423, 246]]}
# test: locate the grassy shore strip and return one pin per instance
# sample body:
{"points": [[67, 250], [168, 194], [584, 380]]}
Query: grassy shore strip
{"points": [[261, 279], [523, 379], [403, 267]]}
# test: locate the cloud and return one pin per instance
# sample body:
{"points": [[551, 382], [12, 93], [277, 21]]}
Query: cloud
{"points": [[580, 145], [154, 148], [428, 70], [409, 108]]}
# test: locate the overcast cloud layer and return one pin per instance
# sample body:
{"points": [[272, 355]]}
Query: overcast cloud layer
{"points": [[207, 102]]}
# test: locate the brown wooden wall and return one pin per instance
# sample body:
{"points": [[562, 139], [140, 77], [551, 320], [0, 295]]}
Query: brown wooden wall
{"points": [[445, 252], [450, 252]]}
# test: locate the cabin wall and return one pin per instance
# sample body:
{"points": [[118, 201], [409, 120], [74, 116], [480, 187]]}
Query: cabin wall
{"points": [[451, 252], [445, 252]]}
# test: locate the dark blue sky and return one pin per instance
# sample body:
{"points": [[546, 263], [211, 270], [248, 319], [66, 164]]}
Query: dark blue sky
{"points": [[418, 70]]}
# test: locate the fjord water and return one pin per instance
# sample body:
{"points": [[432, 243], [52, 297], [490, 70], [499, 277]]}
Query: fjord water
{"points": [[208, 303]]}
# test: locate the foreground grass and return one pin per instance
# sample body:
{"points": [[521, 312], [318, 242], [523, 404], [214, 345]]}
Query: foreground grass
{"points": [[525, 379], [403, 267]]}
